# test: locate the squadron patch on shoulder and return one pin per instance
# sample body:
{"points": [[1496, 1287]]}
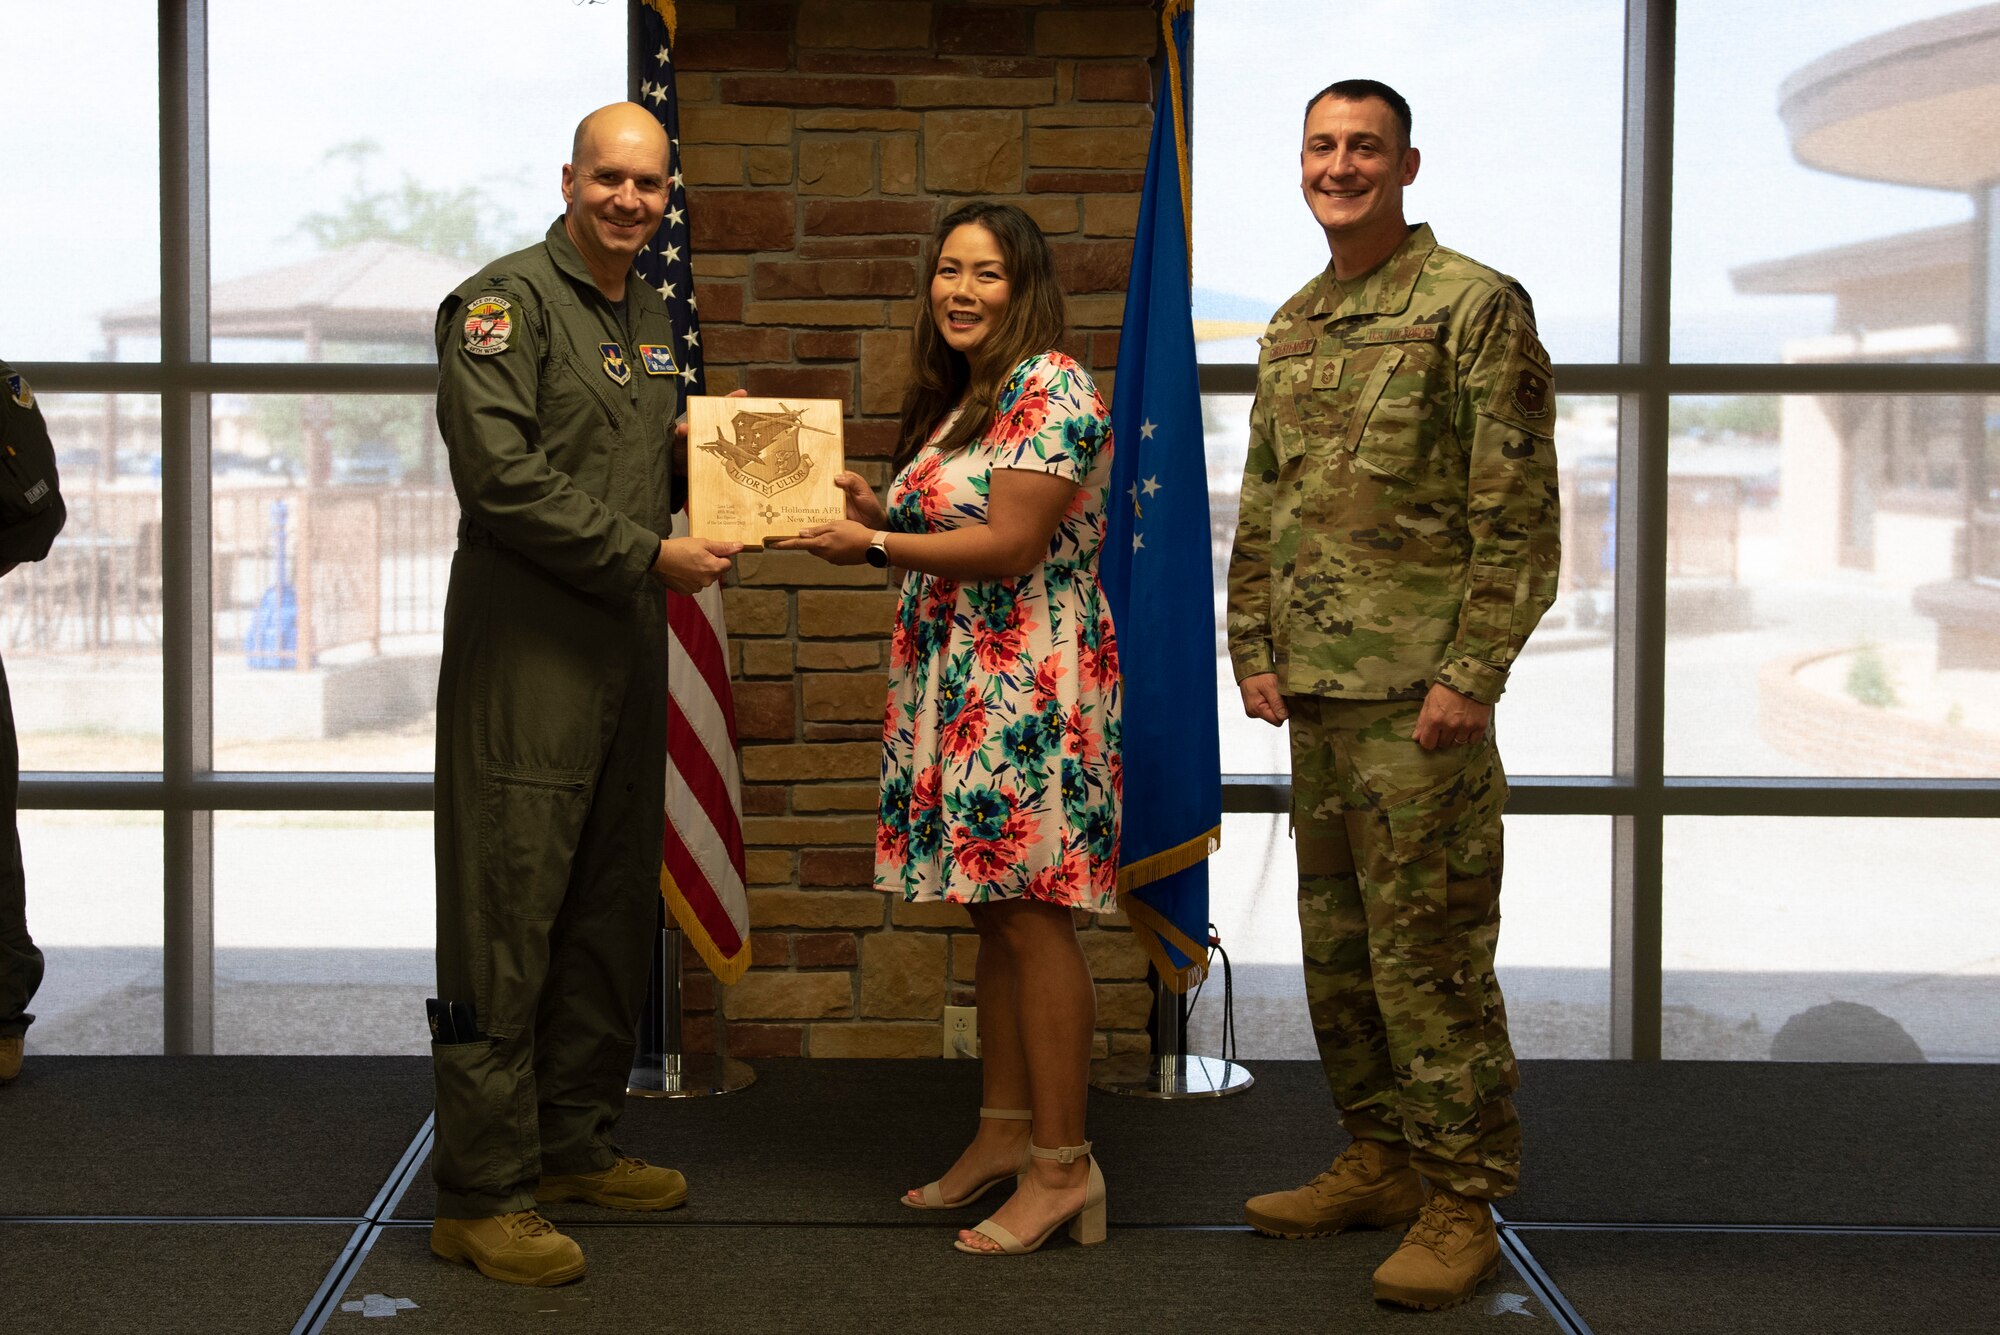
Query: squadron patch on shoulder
{"points": [[614, 363], [488, 325], [1531, 393], [17, 390], [658, 359]]}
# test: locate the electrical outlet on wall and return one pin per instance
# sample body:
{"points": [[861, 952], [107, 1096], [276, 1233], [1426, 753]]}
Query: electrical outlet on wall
{"points": [[961, 1031]]}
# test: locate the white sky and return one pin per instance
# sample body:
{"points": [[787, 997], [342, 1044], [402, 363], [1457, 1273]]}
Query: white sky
{"points": [[1517, 112]]}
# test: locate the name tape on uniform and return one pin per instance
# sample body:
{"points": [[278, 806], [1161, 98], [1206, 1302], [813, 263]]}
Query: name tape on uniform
{"points": [[1292, 347], [1409, 333]]}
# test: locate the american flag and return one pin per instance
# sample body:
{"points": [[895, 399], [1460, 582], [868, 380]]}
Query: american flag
{"points": [[701, 867]]}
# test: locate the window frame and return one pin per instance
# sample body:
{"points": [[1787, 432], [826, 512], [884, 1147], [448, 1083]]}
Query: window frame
{"points": [[1638, 794]]}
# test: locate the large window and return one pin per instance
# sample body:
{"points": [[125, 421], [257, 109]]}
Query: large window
{"points": [[225, 673], [1762, 251], [1755, 749]]}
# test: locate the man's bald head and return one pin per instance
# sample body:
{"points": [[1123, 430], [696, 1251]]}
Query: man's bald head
{"points": [[615, 187], [621, 122]]}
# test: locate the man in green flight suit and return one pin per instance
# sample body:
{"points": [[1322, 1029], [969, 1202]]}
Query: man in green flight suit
{"points": [[31, 514], [1398, 541], [557, 394]]}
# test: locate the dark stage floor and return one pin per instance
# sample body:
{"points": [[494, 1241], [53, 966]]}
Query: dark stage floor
{"points": [[228, 1194]]}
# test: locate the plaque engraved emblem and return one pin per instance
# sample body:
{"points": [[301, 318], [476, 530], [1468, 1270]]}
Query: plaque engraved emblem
{"points": [[761, 468]]}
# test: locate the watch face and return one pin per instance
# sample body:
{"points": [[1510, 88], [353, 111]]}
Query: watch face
{"points": [[878, 557]]}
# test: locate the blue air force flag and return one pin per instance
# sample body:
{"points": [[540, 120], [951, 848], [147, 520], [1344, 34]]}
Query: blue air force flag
{"points": [[1157, 568]]}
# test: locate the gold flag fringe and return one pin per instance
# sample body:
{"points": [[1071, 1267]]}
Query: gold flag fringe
{"points": [[726, 968], [665, 9]]}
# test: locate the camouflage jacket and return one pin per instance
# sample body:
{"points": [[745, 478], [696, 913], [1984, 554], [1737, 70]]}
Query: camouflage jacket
{"points": [[1399, 523]]}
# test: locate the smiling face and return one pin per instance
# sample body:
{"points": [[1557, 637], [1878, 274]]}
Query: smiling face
{"points": [[616, 188], [1352, 170], [970, 288]]}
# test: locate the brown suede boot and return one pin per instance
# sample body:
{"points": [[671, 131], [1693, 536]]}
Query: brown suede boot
{"points": [[517, 1248], [1451, 1248], [629, 1184], [1370, 1185]]}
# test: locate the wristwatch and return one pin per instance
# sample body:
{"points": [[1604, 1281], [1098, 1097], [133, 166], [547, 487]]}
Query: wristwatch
{"points": [[878, 551]]}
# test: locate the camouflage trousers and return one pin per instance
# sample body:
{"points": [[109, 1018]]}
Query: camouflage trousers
{"points": [[1399, 911]]}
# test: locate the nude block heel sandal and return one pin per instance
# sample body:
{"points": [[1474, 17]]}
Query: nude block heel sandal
{"points": [[932, 1193], [1086, 1226]]}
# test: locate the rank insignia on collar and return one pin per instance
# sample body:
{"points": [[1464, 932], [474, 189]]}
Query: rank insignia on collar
{"points": [[17, 390], [658, 359], [614, 363], [488, 325]]}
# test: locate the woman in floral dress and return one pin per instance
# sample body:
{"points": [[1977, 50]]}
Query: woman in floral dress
{"points": [[1000, 762]]}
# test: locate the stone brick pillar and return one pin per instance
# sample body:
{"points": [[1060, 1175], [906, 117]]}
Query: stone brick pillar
{"points": [[821, 142]]}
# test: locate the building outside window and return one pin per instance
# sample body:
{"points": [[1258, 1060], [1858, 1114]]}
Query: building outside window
{"points": [[1756, 746]]}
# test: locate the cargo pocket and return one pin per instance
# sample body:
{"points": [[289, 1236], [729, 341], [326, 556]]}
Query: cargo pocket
{"points": [[1424, 822], [534, 820], [1490, 605], [1391, 430]]}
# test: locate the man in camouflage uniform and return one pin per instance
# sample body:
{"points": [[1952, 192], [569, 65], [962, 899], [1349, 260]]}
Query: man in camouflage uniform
{"points": [[1397, 544]]}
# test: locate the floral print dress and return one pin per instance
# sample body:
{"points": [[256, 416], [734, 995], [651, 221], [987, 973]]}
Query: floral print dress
{"points": [[1000, 760]]}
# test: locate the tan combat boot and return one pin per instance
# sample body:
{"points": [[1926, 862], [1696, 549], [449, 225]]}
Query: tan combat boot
{"points": [[1370, 1185], [629, 1184], [517, 1248], [10, 1058], [1447, 1252]]}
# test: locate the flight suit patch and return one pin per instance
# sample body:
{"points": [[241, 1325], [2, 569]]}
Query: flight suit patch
{"points": [[1292, 347], [17, 390], [614, 363], [1531, 393], [488, 325], [658, 359]]}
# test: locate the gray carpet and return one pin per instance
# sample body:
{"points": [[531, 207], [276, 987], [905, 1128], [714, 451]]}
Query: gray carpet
{"points": [[1758, 1142], [162, 1279], [1641, 1283], [839, 1141], [253, 1136], [867, 1280], [794, 1222]]}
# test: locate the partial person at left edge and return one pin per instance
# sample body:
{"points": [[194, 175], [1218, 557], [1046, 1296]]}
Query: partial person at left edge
{"points": [[31, 514], [557, 400]]}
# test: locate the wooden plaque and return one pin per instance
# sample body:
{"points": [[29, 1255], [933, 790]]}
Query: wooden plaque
{"points": [[762, 468]]}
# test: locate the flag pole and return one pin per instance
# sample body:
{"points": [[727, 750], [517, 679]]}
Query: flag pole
{"points": [[664, 1069], [1169, 1071]]}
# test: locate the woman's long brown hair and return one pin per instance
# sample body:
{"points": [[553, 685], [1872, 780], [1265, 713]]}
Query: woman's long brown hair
{"points": [[941, 377]]}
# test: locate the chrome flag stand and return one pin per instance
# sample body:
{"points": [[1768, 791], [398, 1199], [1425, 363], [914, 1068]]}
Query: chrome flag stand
{"points": [[1168, 1072], [663, 1070]]}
